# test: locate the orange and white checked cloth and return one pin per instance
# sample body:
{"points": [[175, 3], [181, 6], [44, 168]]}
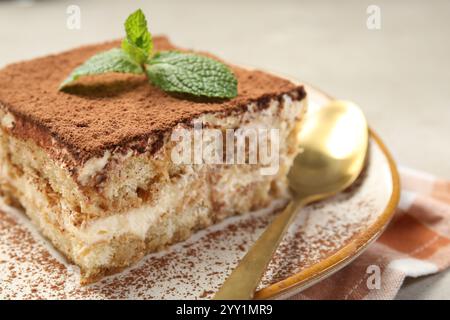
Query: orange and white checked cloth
{"points": [[416, 243]]}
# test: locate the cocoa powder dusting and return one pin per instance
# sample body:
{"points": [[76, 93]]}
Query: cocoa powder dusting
{"points": [[111, 110]]}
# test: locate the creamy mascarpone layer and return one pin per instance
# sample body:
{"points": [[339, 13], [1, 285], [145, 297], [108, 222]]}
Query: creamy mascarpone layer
{"points": [[138, 221]]}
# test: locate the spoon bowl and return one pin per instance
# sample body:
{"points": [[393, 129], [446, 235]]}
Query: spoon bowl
{"points": [[333, 143], [332, 150]]}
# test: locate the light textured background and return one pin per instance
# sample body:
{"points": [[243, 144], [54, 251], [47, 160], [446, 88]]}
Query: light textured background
{"points": [[400, 75]]}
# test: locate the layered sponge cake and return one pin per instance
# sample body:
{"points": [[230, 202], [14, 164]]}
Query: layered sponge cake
{"points": [[93, 167]]}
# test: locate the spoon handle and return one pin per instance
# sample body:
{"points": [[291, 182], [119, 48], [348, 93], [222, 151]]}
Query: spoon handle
{"points": [[242, 282]]}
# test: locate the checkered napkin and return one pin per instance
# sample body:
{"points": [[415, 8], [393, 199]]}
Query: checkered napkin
{"points": [[416, 243]]}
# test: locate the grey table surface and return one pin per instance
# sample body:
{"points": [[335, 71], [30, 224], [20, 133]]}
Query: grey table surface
{"points": [[399, 74]]}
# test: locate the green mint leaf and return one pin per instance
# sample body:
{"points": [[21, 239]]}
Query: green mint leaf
{"points": [[192, 74], [136, 53], [138, 42], [172, 71], [114, 60]]}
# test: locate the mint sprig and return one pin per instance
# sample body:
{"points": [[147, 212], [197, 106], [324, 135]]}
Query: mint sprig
{"points": [[172, 71]]}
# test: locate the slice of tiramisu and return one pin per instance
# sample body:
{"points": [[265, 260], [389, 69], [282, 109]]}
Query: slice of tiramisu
{"points": [[104, 169]]}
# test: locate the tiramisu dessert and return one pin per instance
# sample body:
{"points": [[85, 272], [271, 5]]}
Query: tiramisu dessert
{"points": [[91, 161]]}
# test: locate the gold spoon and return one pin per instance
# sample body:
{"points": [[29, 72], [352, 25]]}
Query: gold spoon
{"points": [[333, 145]]}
